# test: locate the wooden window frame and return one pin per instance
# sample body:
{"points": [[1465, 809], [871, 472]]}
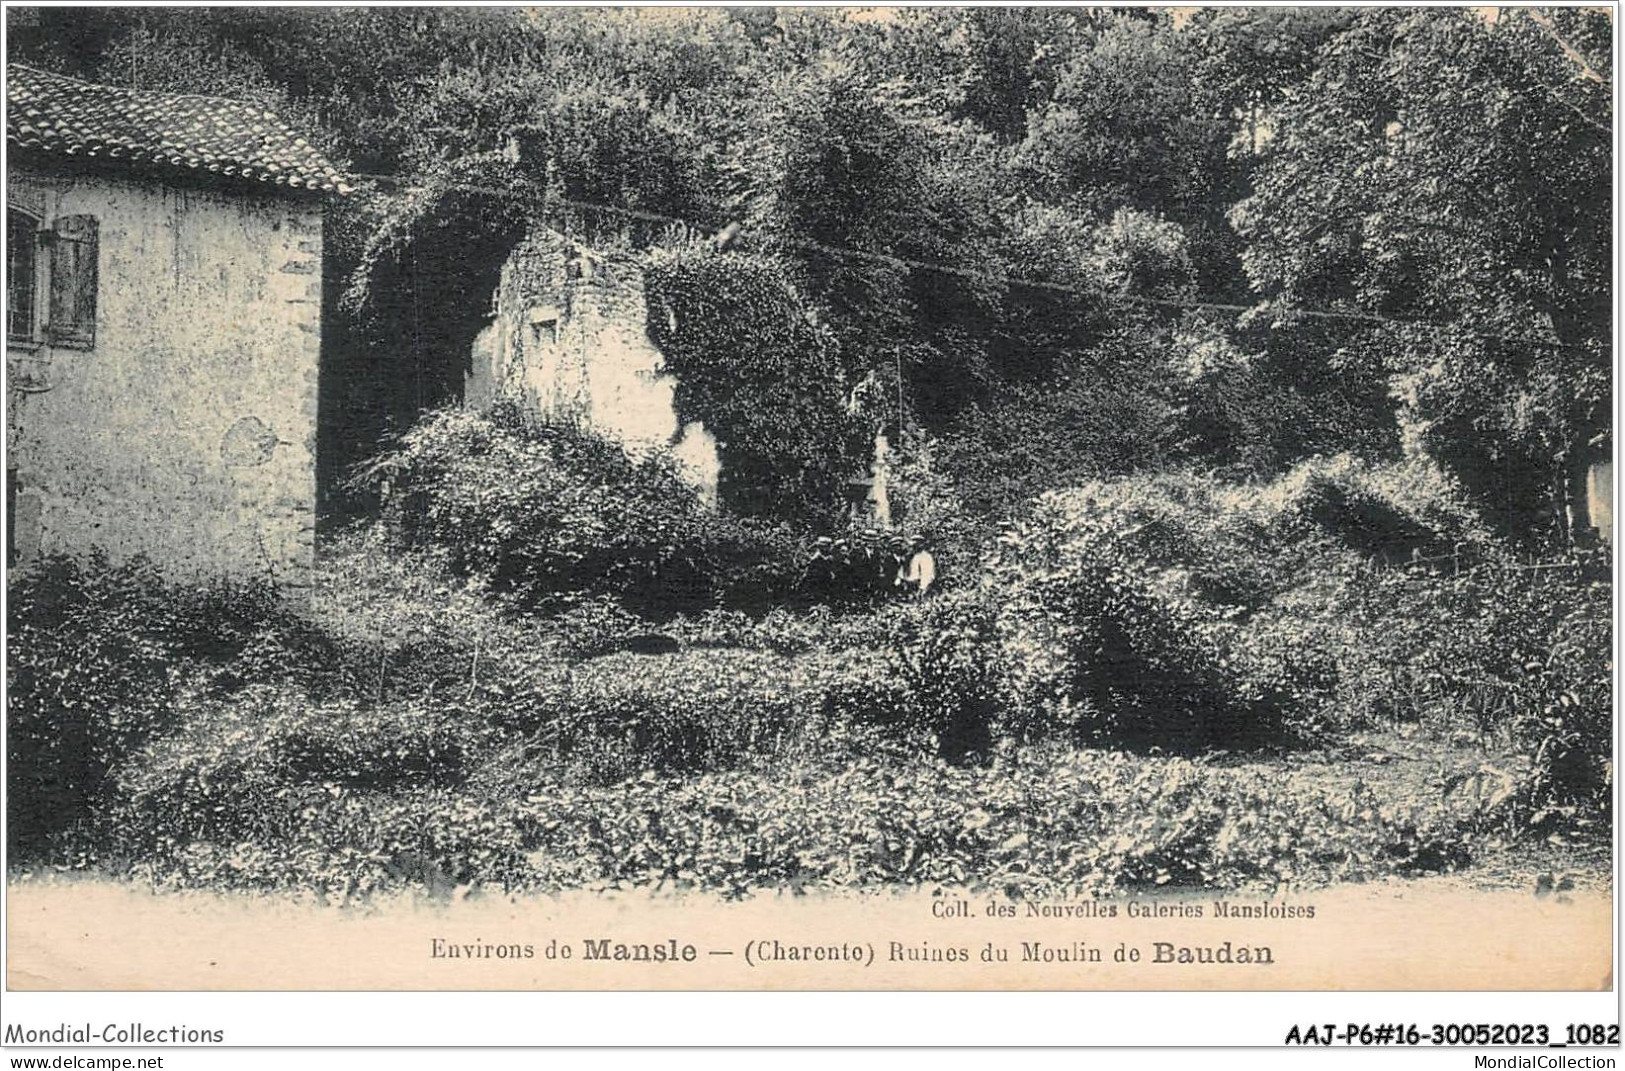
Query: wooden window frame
{"points": [[74, 283], [34, 337], [66, 281]]}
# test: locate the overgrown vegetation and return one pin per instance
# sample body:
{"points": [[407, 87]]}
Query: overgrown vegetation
{"points": [[420, 726], [1242, 424], [538, 772], [549, 514], [760, 374], [970, 201], [542, 510]]}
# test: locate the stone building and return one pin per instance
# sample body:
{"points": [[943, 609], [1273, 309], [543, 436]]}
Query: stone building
{"points": [[569, 340], [163, 327]]}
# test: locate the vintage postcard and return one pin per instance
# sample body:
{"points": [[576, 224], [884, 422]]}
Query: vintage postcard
{"points": [[738, 498]]}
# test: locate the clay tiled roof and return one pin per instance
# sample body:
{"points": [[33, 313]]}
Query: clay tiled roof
{"points": [[62, 116]]}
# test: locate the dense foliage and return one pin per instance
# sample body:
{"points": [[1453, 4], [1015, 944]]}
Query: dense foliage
{"points": [[1242, 369], [93, 675], [1437, 173], [1467, 203], [542, 509], [1498, 649], [760, 374], [516, 770], [944, 188], [551, 514]]}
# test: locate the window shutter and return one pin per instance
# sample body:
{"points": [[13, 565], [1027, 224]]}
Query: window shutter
{"points": [[72, 320]]}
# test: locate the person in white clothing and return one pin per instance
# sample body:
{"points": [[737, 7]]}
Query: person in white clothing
{"points": [[921, 570]]}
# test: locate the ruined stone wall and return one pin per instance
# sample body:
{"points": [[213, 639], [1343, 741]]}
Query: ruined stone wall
{"points": [[187, 432], [569, 339]]}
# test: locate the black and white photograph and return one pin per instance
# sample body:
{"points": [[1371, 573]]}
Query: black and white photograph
{"points": [[809, 498]]}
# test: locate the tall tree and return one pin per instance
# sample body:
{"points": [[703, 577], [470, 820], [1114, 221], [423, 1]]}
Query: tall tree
{"points": [[1449, 170]]}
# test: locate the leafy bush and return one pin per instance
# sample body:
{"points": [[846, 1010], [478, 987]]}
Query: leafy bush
{"points": [[416, 633], [751, 362], [250, 766], [1137, 252], [1156, 605], [946, 652], [1224, 410], [555, 518], [1393, 512], [1043, 822], [96, 656], [418, 703], [1096, 646], [419, 728], [858, 564], [538, 509], [1517, 653], [86, 682], [1096, 416]]}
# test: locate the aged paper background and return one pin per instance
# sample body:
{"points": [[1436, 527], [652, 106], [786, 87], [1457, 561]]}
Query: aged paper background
{"points": [[1382, 937]]}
